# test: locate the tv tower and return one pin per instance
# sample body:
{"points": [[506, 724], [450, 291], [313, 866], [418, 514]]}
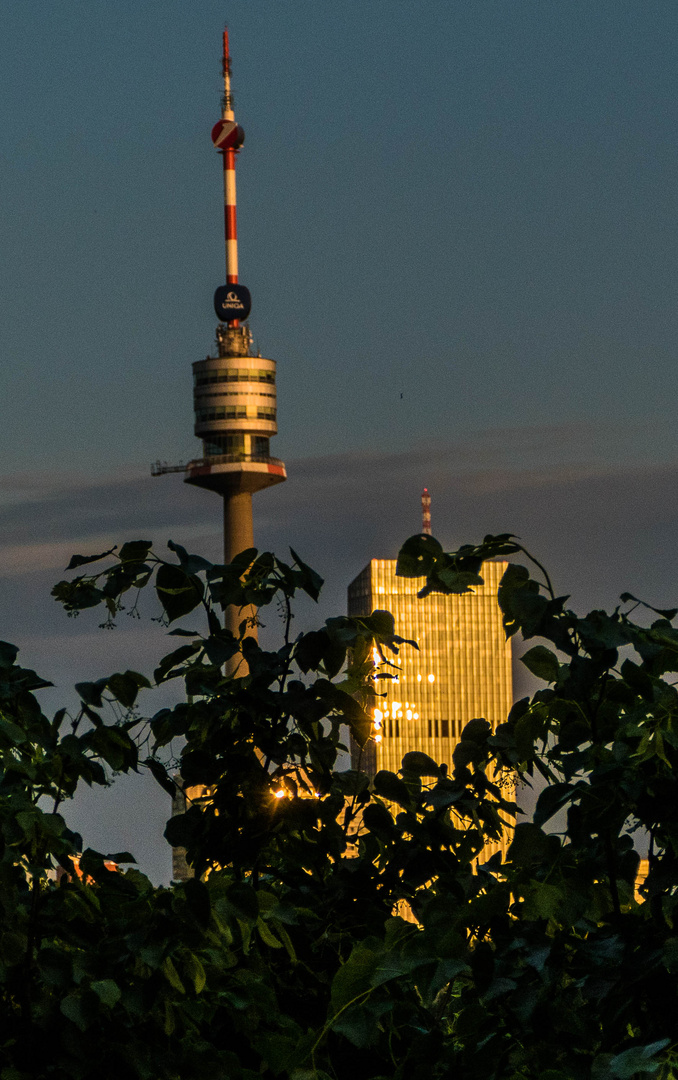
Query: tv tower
{"points": [[234, 392]]}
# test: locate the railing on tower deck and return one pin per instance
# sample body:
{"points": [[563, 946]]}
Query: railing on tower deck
{"points": [[228, 459], [159, 468]]}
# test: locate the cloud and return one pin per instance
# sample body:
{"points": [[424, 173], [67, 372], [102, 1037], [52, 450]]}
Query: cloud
{"points": [[599, 525], [560, 487]]}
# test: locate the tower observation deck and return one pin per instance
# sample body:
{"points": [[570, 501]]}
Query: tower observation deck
{"points": [[234, 392]]}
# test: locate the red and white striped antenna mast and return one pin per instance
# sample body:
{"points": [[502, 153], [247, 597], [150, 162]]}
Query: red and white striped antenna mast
{"points": [[230, 220], [426, 512], [228, 137]]}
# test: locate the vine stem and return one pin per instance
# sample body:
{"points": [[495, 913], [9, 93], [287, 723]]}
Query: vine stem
{"points": [[327, 1027], [543, 569]]}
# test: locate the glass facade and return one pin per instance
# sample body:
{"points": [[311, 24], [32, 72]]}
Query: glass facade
{"points": [[247, 446], [461, 670]]}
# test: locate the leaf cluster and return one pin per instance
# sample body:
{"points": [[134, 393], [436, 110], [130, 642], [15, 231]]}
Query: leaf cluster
{"points": [[340, 924]]}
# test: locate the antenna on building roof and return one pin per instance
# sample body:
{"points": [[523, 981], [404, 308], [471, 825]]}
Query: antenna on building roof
{"points": [[426, 512]]}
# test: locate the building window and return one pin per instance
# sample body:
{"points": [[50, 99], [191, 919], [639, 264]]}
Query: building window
{"points": [[208, 378], [260, 446], [445, 728], [226, 444]]}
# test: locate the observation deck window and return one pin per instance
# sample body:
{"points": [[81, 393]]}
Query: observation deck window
{"points": [[207, 378]]}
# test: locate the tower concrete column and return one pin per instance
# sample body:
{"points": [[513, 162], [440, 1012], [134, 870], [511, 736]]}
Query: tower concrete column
{"points": [[238, 528], [238, 536]]}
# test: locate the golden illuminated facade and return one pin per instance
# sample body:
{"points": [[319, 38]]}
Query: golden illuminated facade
{"points": [[461, 670]]}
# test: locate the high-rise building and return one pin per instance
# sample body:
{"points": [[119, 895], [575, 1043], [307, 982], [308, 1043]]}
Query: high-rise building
{"points": [[461, 670]]}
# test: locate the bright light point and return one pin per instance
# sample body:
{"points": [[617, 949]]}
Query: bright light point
{"points": [[377, 738], [378, 714], [431, 678], [397, 705], [408, 714], [416, 716], [279, 794], [418, 678], [400, 714]]}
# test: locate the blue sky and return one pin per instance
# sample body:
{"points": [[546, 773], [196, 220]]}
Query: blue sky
{"points": [[457, 222]]}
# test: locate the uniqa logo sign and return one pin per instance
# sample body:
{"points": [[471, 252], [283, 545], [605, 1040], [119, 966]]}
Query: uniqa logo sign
{"points": [[232, 301]]}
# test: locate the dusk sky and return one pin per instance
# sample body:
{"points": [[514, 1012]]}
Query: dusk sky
{"points": [[458, 224]]}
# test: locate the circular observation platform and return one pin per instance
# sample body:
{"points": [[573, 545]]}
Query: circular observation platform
{"points": [[230, 473]]}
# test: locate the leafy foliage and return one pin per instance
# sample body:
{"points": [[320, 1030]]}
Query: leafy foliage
{"points": [[288, 954]]}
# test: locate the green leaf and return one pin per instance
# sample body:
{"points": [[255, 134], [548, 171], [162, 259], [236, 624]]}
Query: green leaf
{"points": [[666, 613], [354, 977], [243, 900], [168, 664], [531, 846], [381, 624], [11, 733], [172, 975], [391, 787], [417, 556], [198, 899], [550, 801], [160, 774], [178, 592], [458, 581], [125, 686], [267, 936], [360, 1025], [309, 581], [107, 991], [638, 1059], [72, 1007], [542, 663], [91, 692], [135, 551], [168, 1025], [377, 819], [350, 782], [81, 560], [419, 763], [192, 564], [543, 901], [477, 731], [196, 972], [8, 654]]}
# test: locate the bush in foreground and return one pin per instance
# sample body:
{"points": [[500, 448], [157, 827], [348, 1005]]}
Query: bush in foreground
{"points": [[283, 957]]}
